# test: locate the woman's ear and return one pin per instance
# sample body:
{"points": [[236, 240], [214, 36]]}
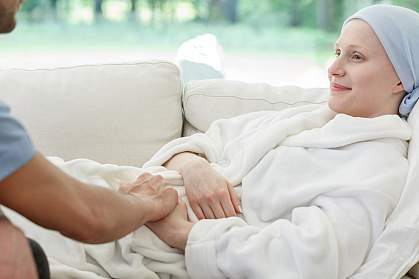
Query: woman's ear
{"points": [[398, 88]]}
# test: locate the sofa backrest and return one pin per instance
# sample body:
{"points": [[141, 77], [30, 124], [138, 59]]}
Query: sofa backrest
{"points": [[207, 100], [111, 113]]}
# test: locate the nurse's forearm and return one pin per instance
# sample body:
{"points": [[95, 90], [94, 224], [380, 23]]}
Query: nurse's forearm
{"points": [[47, 196]]}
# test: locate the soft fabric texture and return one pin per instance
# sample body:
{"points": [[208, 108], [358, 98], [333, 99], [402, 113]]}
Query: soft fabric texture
{"points": [[397, 248], [139, 255], [397, 28], [205, 101], [16, 148], [118, 113], [316, 192]]}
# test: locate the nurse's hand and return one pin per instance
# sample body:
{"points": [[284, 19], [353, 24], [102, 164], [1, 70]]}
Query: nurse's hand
{"points": [[157, 200], [210, 195]]}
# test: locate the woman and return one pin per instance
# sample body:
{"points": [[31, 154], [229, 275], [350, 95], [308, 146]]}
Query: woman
{"points": [[317, 183]]}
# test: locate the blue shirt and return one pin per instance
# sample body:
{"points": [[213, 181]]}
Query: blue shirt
{"points": [[16, 148]]}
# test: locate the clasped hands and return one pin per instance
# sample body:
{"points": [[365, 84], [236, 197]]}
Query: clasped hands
{"points": [[210, 195]]}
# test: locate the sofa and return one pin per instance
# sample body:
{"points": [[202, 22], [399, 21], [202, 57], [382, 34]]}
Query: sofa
{"points": [[122, 113]]}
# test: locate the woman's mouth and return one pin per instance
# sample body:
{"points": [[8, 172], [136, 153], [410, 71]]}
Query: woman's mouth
{"points": [[338, 87]]}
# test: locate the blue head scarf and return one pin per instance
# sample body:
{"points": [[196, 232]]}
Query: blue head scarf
{"points": [[397, 28]]}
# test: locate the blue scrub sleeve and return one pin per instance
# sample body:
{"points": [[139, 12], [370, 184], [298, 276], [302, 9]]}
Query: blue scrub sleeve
{"points": [[16, 148]]}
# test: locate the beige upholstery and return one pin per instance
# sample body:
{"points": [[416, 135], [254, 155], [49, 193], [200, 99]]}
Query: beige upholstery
{"points": [[414, 272], [207, 100], [112, 113]]}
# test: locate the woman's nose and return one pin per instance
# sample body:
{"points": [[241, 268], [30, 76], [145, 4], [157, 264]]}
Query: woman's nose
{"points": [[336, 68]]}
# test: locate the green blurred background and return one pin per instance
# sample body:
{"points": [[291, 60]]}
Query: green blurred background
{"points": [[260, 31]]}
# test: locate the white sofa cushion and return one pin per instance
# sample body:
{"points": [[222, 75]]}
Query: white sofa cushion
{"points": [[111, 113], [207, 100]]}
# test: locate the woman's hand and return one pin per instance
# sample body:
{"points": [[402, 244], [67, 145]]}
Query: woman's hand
{"points": [[173, 229], [157, 200], [210, 195]]}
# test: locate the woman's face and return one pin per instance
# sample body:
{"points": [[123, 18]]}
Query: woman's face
{"points": [[362, 79]]}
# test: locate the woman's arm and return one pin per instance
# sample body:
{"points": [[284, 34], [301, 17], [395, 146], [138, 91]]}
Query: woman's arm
{"points": [[333, 236], [209, 193], [52, 199]]}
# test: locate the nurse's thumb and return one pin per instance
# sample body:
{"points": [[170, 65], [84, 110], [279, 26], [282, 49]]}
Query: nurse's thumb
{"points": [[166, 203]]}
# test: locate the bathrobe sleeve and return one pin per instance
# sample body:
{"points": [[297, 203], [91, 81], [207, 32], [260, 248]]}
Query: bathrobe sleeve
{"points": [[325, 240], [216, 139], [234, 146]]}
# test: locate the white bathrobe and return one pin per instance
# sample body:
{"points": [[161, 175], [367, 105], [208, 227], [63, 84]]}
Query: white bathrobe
{"points": [[316, 191]]}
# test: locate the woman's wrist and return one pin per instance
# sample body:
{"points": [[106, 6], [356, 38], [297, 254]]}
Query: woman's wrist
{"points": [[182, 234], [184, 162]]}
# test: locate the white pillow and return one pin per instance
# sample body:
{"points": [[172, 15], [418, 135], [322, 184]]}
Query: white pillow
{"points": [[112, 113], [207, 100]]}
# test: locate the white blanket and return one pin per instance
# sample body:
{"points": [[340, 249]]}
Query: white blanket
{"points": [[316, 192]]}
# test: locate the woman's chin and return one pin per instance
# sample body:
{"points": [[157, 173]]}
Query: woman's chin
{"points": [[335, 105]]}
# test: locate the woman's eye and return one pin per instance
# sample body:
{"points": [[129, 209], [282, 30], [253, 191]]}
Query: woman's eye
{"points": [[337, 53], [356, 57]]}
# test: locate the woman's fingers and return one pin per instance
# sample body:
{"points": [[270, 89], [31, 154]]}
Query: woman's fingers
{"points": [[207, 211], [197, 210], [217, 209], [227, 204], [216, 202], [212, 201], [234, 199], [210, 194]]}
